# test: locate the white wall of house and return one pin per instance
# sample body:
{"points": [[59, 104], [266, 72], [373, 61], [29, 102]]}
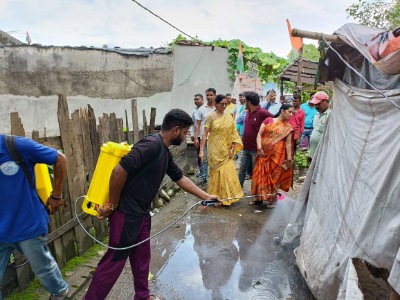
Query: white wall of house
{"points": [[106, 81]]}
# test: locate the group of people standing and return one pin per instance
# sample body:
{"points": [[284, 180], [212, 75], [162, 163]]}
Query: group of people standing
{"points": [[267, 135]]}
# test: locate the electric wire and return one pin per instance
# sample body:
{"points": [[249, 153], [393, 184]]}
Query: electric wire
{"points": [[165, 21], [360, 75]]}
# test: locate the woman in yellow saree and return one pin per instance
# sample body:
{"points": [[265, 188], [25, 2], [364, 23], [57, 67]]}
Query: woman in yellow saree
{"points": [[273, 169], [223, 143]]}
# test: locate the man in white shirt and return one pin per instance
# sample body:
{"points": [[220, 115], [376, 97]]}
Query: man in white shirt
{"points": [[201, 117], [198, 102]]}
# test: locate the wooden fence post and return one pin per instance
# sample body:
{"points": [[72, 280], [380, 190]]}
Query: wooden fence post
{"points": [[71, 137], [135, 121], [145, 132], [152, 120]]}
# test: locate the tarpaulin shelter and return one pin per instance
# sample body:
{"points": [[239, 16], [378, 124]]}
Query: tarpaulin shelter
{"points": [[349, 208]]}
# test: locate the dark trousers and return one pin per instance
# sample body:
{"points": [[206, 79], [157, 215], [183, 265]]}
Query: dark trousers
{"points": [[113, 262]]}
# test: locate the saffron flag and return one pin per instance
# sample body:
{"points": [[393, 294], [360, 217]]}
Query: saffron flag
{"points": [[28, 38], [239, 62], [297, 42]]}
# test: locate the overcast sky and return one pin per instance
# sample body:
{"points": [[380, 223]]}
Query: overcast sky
{"points": [[258, 23]]}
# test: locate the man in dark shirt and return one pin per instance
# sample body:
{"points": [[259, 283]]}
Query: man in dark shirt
{"points": [[134, 183], [252, 122]]}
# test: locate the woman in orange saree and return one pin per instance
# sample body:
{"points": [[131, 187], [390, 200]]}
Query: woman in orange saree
{"points": [[223, 143], [273, 169]]}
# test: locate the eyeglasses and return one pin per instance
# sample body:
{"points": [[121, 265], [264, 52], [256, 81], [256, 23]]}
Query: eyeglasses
{"points": [[223, 104]]}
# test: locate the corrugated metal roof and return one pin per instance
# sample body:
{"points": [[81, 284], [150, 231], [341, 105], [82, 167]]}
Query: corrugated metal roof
{"points": [[309, 69]]}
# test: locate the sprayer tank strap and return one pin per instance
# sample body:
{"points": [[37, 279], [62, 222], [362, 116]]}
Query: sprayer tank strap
{"points": [[9, 141]]}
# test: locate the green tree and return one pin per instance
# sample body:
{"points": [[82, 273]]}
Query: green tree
{"points": [[377, 14], [269, 64], [310, 52]]}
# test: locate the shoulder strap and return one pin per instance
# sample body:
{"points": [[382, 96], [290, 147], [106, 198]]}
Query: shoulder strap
{"points": [[151, 163], [9, 141]]}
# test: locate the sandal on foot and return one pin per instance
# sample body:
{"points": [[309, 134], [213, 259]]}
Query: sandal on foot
{"points": [[248, 177], [154, 297], [255, 202], [271, 205]]}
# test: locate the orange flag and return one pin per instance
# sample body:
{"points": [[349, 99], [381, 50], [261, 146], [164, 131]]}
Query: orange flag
{"points": [[297, 42]]}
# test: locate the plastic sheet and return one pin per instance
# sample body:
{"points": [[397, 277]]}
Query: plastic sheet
{"points": [[349, 206]]}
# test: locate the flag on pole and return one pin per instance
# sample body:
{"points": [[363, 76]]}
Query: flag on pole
{"points": [[297, 42], [28, 38], [239, 62]]}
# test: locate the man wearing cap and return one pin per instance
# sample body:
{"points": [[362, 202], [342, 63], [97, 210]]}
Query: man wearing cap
{"points": [[309, 111], [321, 102]]}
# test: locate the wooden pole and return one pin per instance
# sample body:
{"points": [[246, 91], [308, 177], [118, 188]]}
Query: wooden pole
{"points": [[315, 35], [152, 120], [135, 121], [299, 67], [126, 127], [145, 132]]}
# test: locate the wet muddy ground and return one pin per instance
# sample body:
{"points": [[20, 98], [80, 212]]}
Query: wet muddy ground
{"points": [[220, 253]]}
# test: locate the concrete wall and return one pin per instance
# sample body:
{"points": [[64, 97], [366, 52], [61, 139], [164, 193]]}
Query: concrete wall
{"points": [[31, 77]]}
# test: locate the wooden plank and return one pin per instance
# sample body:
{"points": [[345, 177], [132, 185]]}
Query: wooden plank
{"points": [[299, 67], [145, 132], [113, 128], [120, 125], [71, 138], [100, 227], [87, 144], [79, 187], [126, 130], [152, 120], [16, 125], [54, 235], [68, 240], [94, 135], [104, 129], [135, 121], [177, 150]]}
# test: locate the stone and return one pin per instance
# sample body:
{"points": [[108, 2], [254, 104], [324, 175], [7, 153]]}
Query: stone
{"points": [[176, 188], [163, 194], [158, 203], [190, 171]]}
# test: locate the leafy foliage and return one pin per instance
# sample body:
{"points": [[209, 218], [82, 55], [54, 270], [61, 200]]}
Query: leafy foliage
{"points": [[300, 159], [270, 66], [377, 14], [310, 52]]}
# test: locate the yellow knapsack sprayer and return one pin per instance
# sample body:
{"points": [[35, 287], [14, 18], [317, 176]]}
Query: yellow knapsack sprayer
{"points": [[110, 155]]}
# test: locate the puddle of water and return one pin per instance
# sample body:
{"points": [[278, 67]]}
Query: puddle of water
{"points": [[231, 258]]}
